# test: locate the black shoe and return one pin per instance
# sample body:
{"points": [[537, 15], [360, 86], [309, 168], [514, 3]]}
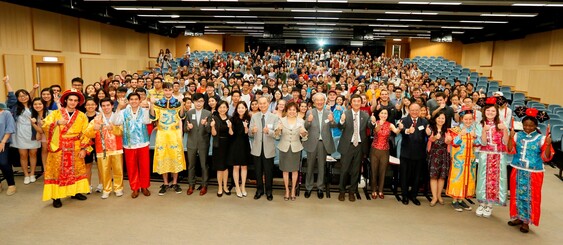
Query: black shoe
{"points": [[258, 195], [79, 197], [465, 206], [177, 189], [307, 194], [57, 203], [270, 197], [320, 194], [415, 201], [405, 201], [226, 193], [163, 189]]}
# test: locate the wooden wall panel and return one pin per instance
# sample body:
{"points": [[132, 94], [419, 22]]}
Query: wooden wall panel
{"points": [[535, 49], [471, 54], [113, 40], [17, 68], [545, 84], [423, 47], [154, 45], [203, 43], [15, 27], [233, 43], [47, 31], [486, 54], [71, 40], [93, 68], [556, 54], [90, 37]]}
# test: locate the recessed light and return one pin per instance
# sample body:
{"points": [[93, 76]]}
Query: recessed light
{"points": [[425, 13], [397, 39], [174, 16], [329, 11], [445, 3], [414, 2], [303, 10], [528, 4], [212, 9], [397, 12]]}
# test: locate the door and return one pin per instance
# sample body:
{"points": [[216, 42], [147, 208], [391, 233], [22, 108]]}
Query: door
{"points": [[49, 74]]}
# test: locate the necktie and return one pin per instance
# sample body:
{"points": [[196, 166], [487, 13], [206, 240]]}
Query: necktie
{"points": [[414, 124], [355, 139], [263, 125]]}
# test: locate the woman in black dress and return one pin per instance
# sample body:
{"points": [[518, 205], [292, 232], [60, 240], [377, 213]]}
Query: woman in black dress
{"points": [[221, 128], [239, 153]]}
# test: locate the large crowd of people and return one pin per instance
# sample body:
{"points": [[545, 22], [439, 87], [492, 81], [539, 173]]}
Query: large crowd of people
{"points": [[246, 110]]}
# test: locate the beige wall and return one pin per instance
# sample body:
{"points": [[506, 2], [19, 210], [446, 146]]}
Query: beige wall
{"points": [[423, 47], [532, 64], [203, 43], [90, 49]]}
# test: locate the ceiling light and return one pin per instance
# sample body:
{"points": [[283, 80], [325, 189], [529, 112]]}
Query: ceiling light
{"points": [[495, 15], [332, 1], [396, 12], [305, 18], [174, 16], [254, 23], [180, 26], [301, 1], [445, 3], [148, 9], [387, 19], [327, 18], [224, 16], [463, 27], [528, 4], [414, 2], [425, 13], [410, 20], [237, 10], [522, 15], [326, 24], [223, 0], [303, 10], [305, 23], [234, 22], [397, 39], [509, 15], [329, 11], [458, 32], [423, 35], [554, 5], [246, 16], [217, 9], [483, 21], [176, 22]]}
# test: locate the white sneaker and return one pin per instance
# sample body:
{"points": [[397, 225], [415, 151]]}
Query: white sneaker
{"points": [[32, 179], [480, 210], [105, 195], [90, 192], [487, 212], [99, 188], [119, 193], [362, 183], [26, 180]]}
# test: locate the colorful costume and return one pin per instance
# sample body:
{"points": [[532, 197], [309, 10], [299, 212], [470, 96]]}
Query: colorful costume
{"points": [[109, 152], [169, 151], [136, 145], [65, 174], [491, 175], [461, 182], [527, 176]]}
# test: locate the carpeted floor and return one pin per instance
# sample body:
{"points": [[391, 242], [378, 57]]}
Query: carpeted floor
{"points": [[178, 218]]}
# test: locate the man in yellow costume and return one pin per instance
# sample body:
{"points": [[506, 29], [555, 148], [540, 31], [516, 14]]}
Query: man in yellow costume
{"points": [[65, 173]]}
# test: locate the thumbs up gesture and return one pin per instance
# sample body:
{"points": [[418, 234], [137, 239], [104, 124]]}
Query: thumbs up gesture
{"points": [[428, 130], [343, 117], [310, 118], [330, 117]]}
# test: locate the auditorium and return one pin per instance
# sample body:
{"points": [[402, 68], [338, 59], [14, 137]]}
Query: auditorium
{"points": [[281, 121]]}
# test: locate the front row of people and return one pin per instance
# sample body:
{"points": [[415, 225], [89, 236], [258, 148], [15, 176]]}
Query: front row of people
{"points": [[125, 131]]}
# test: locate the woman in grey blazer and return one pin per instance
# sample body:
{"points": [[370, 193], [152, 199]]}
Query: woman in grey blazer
{"points": [[290, 130]]}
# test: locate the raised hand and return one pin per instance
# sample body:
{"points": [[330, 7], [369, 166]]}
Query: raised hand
{"points": [[373, 120], [36, 86], [310, 118], [212, 123], [190, 125], [6, 79], [266, 130], [203, 121], [330, 117], [501, 126], [438, 136], [548, 139], [343, 117], [33, 120], [487, 127], [254, 129], [245, 124], [463, 132], [428, 130], [400, 125], [229, 124]]}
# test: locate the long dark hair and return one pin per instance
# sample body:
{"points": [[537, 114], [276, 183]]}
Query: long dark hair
{"points": [[34, 113], [497, 118], [434, 125], [48, 103], [20, 107], [236, 115]]}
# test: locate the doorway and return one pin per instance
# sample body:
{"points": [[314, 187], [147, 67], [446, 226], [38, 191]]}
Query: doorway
{"points": [[48, 71]]}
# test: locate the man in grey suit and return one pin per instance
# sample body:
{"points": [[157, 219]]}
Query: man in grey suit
{"points": [[319, 143], [262, 127], [198, 128], [353, 145]]}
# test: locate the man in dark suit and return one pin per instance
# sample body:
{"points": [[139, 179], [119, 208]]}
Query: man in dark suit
{"points": [[413, 153], [198, 128], [261, 128], [319, 143], [353, 145]]}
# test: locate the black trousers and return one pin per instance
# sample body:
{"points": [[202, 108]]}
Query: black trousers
{"points": [[6, 167], [410, 170], [351, 162], [264, 167]]}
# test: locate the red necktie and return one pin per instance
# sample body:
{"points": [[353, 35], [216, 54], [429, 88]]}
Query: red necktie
{"points": [[414, 122]]}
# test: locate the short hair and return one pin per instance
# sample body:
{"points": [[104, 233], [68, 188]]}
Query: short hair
{"points": [[110, 74], [185, 99], [106, 99], [133, 94], [354, 96], [167, 85], [140, 90], [55, 86], [77, 79], [319, 94], [235, 92], [197, 96], [441, 94], [122, 90]]}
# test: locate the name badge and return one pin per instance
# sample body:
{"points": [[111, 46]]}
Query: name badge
{"points": [[420, 127], [193, 117], [270, 126], [326, 120]]}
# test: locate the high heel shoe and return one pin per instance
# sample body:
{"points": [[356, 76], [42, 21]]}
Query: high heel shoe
{"points": [[244, 194], [225, 191], [381, 196], [219, 194], [293, 198]]}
